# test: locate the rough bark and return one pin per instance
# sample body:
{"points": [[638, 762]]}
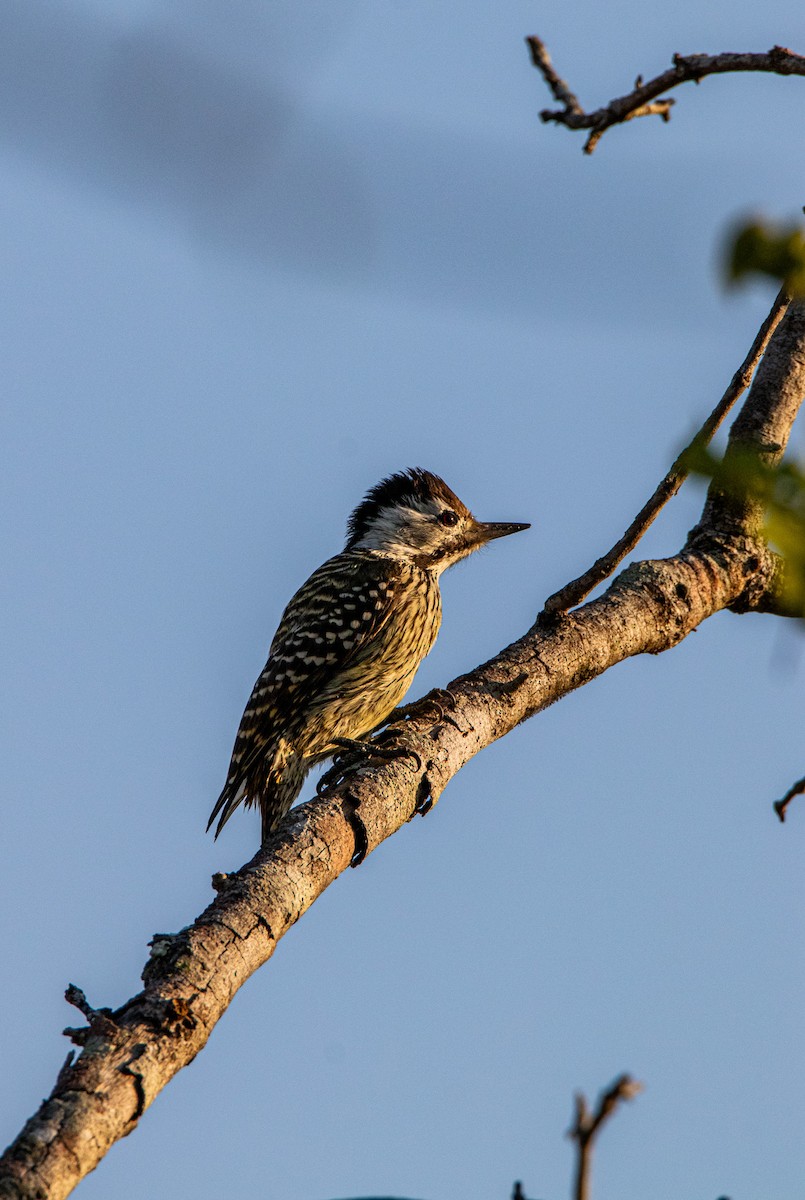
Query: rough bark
{"points": [[129, 1055]]}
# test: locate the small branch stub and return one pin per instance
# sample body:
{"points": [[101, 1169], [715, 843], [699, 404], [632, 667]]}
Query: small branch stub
{"points": [[781, 806], [75, 996]]}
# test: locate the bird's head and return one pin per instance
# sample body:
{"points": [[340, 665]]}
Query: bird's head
{"points": [[414, 515]]}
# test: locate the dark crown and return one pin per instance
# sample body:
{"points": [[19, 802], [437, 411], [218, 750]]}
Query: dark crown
{"points": [[399, 490]]}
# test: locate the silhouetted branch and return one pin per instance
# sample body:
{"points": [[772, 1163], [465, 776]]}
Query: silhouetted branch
{"points": [[646, 98], [780, 806], [587, 1125]]}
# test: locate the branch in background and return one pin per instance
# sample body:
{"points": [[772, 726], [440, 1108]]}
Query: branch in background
{"points": [[585, 1130], [588, 1124], [780, 806], [646, 98], [578, 589]]}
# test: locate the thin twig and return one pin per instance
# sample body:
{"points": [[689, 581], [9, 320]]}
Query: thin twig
{"points": [[543, 62], [780, 806], [574, 592], [587, 1124], [646, 99]]}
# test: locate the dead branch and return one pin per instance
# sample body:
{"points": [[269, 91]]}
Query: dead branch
{"points": [[646, 99], [780, 806], [129, 1055], [587, 1126]]}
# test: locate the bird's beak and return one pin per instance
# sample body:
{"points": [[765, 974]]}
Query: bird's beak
{"points": [[487, 531]]}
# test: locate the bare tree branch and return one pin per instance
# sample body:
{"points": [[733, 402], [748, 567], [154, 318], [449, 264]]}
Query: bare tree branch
{"points": [[646, 99], [578, 589], [587, 1125], [796, 789], [130, 1054]]}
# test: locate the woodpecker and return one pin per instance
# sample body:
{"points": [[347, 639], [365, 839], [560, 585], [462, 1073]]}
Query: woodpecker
{"points": [[351, 640]]}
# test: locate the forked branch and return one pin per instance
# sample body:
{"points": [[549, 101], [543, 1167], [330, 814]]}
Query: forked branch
{"points": [[578, 589], [587, 1126], [646, 99]]}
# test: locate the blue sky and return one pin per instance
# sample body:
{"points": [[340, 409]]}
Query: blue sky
{"points": [[257, 255]]}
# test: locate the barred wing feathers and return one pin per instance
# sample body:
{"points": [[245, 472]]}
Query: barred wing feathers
{"points": [[343, 606]]}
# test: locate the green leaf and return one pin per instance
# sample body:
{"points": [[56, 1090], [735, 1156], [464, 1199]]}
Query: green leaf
{"points": [[781, 491], [762, 248]]}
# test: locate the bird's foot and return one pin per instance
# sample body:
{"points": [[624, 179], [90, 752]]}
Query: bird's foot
{"points": [[443, 702], [352, 754], [440, 700]]}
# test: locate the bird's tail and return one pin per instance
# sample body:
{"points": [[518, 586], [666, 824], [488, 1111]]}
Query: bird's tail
{"points": [[275, 794], [231, 797], [281, 790]]}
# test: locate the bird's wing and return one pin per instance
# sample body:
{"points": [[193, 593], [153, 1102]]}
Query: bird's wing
{"points": [[343, 605]]}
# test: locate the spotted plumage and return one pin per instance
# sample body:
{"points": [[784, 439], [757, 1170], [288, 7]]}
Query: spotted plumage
{"points": [[351, 640]]}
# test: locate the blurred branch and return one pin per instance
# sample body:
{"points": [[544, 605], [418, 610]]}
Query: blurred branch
{"points": [[588, 1124], [781, 806], [578, 589], [646, 99]]}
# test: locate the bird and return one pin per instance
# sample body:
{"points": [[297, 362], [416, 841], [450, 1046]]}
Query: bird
{"points": [[350, 640]]}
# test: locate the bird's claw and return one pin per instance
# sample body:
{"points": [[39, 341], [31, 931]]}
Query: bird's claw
{"points": [[353, 754], [444, 702], [440, 699], [331, 776]]}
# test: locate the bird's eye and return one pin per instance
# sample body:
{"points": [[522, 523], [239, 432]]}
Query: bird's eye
{"points": [[448, 517]]}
